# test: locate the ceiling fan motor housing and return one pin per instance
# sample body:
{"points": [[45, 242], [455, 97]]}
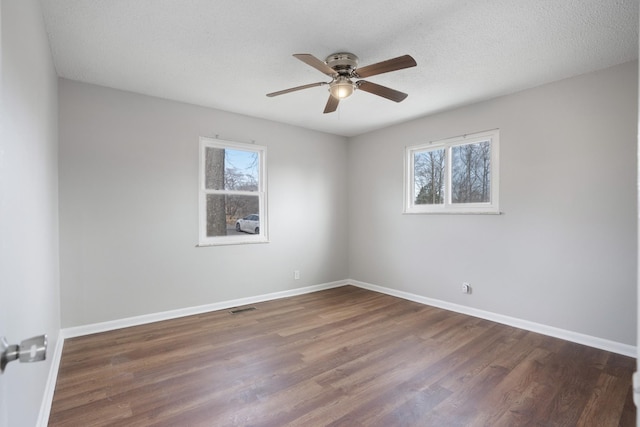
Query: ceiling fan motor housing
{"points": [[344, 63]]}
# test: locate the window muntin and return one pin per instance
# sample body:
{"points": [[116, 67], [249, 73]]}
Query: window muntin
{"points": [[456, 175], [232, 188]]}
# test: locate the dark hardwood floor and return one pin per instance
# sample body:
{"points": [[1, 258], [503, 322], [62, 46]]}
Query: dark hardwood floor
{"points": [[341, 357]]}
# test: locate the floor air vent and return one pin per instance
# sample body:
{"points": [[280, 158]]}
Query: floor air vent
{"points": [[241, 310]]}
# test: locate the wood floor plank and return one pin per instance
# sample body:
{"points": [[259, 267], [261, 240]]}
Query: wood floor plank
{"points": [[341, 357], [608, 393]]}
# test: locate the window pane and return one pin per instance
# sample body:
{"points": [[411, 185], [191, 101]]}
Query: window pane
{"points": [[224, 210], [471, 173], [229, 169], [428, 177]]}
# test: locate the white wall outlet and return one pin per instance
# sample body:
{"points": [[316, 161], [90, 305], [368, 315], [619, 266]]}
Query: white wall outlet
{"points": [[296, 274], [466, 288]]}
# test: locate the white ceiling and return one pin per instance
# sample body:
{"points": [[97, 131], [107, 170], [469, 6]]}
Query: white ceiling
{"points": [[228, 54]]}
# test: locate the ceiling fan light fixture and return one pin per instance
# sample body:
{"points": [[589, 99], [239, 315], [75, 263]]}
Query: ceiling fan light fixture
{"points": [[341, 87]]}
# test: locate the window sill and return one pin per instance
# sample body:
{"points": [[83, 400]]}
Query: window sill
{"points": [[232, 242], [455, 213]]}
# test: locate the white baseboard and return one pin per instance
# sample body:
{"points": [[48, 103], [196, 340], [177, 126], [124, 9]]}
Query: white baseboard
{"points": [[50, 387], [601, 343], [189, 311]]}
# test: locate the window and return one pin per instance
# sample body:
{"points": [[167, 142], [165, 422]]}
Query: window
{"points": [[456, 175], [233, 196]]}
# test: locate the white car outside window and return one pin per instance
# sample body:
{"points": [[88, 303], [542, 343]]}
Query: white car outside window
{"points": [[249, 224]]}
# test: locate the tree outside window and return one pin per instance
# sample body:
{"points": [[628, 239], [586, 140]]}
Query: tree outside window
{"points": [[456, 175], [232, 188]]}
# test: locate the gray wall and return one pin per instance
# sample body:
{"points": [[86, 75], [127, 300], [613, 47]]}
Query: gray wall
{"points": [[29, 275], [129, 207], [561, 254], [564, 251]]}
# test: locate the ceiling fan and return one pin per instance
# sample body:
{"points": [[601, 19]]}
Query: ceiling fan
{"points": [[342, 68]]}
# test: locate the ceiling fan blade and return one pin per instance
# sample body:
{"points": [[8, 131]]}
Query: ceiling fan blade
{"points": [[382, 91], [399, 63], [332, 105], [293, 89], [316, 63]]}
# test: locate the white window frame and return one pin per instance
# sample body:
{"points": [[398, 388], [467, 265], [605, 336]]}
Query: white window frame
{"points": [[491, 207], [262, 237]]}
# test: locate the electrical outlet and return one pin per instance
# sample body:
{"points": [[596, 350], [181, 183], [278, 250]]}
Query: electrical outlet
{"points": [[296, 274], [466, 288]]}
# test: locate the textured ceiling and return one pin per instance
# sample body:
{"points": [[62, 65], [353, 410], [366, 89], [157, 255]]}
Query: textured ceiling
{"points": [[228, 54]]}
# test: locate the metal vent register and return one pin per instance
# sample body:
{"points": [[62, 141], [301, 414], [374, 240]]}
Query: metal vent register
{"points": [[241, 310]]}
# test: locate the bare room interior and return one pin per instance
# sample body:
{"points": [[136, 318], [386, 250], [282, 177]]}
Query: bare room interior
{"points": [[210, 231]]}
